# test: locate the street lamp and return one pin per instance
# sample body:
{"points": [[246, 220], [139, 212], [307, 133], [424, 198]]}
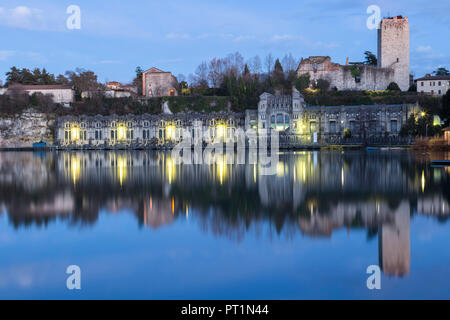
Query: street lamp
{"points": [[423, 114]]}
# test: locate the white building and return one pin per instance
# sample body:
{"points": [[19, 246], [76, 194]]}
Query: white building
{"points": [[63, 94], [435, 85]]}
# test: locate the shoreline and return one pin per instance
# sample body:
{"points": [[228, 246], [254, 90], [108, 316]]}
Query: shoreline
{"points": [[335, 147]]}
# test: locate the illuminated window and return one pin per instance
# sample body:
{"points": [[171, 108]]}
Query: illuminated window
{"points": [[171, 92]]}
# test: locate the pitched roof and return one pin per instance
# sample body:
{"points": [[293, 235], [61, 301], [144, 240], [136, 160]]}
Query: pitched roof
{"points": [[434, 78], [154, 70]]}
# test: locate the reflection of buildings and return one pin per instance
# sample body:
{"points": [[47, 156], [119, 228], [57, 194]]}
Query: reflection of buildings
{"points": [[158, 212], [315, 193], [393, 243]]}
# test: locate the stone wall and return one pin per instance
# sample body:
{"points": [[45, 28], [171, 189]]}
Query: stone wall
{"points": [[22, 130], [393, 49]]}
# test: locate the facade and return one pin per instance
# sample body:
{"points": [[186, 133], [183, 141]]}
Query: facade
{"points": [[62, 94], [158, 83], [297, 123], [434, 85], [144, 130], [393, 62], [302, 124]]}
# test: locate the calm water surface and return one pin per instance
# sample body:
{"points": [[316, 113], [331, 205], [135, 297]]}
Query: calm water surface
{"points": [[141, 227]]}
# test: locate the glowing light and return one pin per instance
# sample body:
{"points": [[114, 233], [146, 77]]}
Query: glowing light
{"points": [[75, 133], [423, 181], [280, 169], [121, 169], [75, 169], [220, 131], [170, 131], [254, 173], [170, 170], [221, 170], [187, 212], [121, 133], [423, 113], [342, 176], [173, 206]]}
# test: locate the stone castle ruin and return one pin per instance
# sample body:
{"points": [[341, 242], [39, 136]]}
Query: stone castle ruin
{"points": [[393, 62]]}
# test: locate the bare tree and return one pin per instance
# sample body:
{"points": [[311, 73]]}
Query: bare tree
{"points": [[216, 71], [269, 63], [201, 75], [289, 63], [254, 65], [234, 64]]}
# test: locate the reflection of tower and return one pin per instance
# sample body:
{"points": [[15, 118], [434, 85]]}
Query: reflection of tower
{"points": [[158, 212], [394, 243]]}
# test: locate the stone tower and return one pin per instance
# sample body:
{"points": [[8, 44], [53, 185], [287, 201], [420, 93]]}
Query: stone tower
{"points": [[393, 48]]}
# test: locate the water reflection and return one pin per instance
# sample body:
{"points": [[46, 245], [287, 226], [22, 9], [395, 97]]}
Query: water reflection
{"points": [[315, 193]]}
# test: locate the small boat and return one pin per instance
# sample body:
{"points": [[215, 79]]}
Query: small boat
{"points": [[40, 144], [440, 163], [372, 148]]}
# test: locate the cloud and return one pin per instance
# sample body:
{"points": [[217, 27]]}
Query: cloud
{"points": [[23, 17], [109, 61], [5, 54], [288, 38], [423, 49]]}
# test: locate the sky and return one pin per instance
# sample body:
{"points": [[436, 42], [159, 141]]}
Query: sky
{"points": [[117, 36]]}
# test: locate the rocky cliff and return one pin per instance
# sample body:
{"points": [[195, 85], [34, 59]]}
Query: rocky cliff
{"points": [[22, 130]]}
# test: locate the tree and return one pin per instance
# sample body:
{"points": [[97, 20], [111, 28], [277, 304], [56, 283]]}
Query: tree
{"points": [[370, 58], [255, 65], [347, 133], [278, 74], [302, 82], [322, 84], [393, 87], [289, 63], [137, 81], [441, 72], [269, 63], [201, 76], [84, 80], [445, 113], [13, 76], [215, 72]]}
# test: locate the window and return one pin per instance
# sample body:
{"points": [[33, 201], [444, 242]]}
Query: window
{"points": [[279, 118], [394, 126], [96, 135], [422, 83], [145, 123], [272, 119], [312, 126], [286, 119], [332, 126], [439, 83], [439, 91], [352, 126], [171, 92]]}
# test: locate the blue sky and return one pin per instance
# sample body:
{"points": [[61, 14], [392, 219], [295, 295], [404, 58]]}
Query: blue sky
{"points": [[116, 36]]}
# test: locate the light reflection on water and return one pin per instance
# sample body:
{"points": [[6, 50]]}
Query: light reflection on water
{"points": [[73, 205]]}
